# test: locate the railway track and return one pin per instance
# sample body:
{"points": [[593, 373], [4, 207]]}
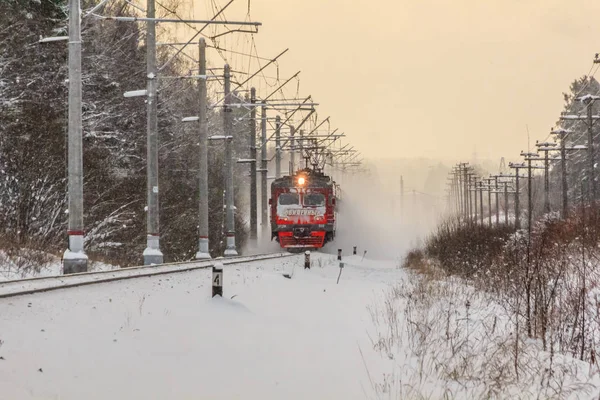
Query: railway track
{"points": [[35, 285]]}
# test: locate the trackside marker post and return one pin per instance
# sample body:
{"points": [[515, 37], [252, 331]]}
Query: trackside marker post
{"points": [[217, 279], [307, 259], [340, 275]]}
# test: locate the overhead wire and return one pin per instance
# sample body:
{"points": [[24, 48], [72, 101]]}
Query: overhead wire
{"points": [[224, 45]]}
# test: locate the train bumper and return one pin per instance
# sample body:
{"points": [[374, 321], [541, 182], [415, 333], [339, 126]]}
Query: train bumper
{"points": [[301, 239]]}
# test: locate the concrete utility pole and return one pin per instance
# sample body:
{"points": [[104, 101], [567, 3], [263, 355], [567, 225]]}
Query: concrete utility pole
{"points": [[203, 248], [253, 172], [546, 147], [152, 253], [464, 193], [459, 187], [496, 195], [467, 199], [471, 195], [230, 217], [458, 174], [588, 100], [454, 192], [481, 200], [506, 193], [489, 190], [458, 191], [563, 171], [529, 198], [517, 167], [529, 157], [278, 147], [506, 203], [472, 199], [562, 134], [263, 169], [74, 258], [466, 180]]}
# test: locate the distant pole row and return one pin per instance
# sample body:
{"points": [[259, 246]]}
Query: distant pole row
{"points": [[465, 186]]}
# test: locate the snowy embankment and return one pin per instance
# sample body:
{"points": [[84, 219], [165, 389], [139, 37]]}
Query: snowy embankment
{"points": [[164, 337], [445, 339], [381, 333]]}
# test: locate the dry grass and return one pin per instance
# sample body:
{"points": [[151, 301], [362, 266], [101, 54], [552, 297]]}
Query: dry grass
{"points": [[445, 339], [491, 313]]}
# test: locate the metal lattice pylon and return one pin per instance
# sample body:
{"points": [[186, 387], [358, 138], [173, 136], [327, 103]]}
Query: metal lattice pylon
{"points": [[502, 168]]}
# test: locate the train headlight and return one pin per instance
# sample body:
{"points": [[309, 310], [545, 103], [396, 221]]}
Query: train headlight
{"points": [[301, 181]]}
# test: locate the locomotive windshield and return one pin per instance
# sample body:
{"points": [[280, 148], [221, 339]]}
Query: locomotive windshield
{"points": [[314, 199], [288, 199]]}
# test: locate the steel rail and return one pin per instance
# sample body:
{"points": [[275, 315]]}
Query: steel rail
{"points": [[26, 286]]}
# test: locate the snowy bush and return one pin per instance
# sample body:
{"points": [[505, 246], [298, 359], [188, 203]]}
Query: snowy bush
{"points": [[445, 339]]}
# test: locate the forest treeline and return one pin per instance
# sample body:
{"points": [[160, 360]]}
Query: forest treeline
{"points": [[33, 139]]}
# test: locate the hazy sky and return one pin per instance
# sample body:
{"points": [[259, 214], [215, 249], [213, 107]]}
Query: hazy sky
{"points": [[433, 78]]}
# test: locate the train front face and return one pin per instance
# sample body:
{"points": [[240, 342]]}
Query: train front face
{"points": [[299, 210]]}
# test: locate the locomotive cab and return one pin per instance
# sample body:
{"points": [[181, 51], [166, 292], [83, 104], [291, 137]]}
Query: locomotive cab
{"points": [[302, 210]]}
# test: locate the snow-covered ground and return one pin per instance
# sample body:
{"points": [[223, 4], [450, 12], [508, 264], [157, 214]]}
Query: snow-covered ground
{"points": [[164, 337], [381, 333]]}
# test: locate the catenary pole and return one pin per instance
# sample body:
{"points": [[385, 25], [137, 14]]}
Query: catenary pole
{"points": [[563, 173], [229, 216], [506, 203], [489, 190], [263, 169], [529, 198], [467, 194], [472, 201], [590, 124], [253, 170], [496, 198], [152, 253], [517, 167], [481, 201], [203, 244], [546, 147], [74, 258], [529, 157]]}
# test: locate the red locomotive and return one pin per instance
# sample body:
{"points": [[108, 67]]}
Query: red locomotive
{"points": [[303, 210]]}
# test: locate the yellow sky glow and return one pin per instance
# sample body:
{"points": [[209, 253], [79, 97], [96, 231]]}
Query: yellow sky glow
{"points": [[432, 78]]}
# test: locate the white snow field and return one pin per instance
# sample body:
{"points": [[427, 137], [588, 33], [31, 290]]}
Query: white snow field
{"points": [[164, 337], [381, 333]]}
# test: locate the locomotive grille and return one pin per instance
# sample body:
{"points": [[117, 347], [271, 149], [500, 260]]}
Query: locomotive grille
{"points": [[309, 241]]}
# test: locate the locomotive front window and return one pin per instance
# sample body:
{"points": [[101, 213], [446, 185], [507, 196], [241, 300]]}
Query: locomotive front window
{"points": [[288, 199], [314, 199]]}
